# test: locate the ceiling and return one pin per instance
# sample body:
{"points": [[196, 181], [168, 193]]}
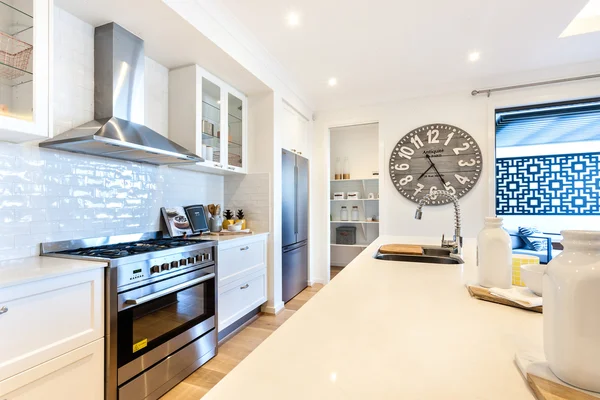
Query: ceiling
{"points": [[380, 49], [168, 38]]}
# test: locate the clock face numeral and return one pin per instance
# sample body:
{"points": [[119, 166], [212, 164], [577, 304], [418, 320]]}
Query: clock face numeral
{"points": [[463, 163], [420, 187], [417, 142], [449, 188], [406, 152], [432, 136], [431, 190], [465, 146], [461, 179], [435, 157], [405, 180], [449, 138]]}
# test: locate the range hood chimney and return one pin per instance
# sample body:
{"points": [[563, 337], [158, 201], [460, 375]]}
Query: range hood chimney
{"points": [[117, 130]]}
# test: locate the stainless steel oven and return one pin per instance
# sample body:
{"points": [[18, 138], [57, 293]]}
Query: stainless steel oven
{"points": [[160, 308], [162, 328]]}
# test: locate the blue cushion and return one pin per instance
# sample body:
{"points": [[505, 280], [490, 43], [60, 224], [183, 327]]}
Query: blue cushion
{"points": [[537, 244], [516, 241]]}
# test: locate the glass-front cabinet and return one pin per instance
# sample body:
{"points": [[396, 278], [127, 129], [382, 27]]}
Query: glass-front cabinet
{"points": [[24, 69], [208, 116]]}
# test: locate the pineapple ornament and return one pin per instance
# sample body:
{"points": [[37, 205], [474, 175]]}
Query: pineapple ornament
{"points": [[240, 218], [228, 220]]}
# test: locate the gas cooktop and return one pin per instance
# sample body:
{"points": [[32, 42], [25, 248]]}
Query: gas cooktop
{"points": [[118, 250]]}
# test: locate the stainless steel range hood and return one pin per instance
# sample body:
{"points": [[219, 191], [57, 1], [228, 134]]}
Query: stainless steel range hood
{"points": [[117, 130]]}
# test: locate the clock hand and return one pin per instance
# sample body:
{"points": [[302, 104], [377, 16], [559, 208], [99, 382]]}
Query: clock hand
{"points": [[436, 170], [425, 172]]}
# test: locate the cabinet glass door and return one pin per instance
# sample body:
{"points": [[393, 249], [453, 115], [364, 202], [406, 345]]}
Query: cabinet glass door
{"points": [[211, 120], [235, 138], [16, 59]]}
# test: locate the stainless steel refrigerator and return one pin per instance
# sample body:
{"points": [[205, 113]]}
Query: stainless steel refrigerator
{"points": [[294, 227]]}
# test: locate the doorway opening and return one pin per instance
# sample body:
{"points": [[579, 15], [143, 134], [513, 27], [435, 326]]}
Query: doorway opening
{"points": [[354, 192]]}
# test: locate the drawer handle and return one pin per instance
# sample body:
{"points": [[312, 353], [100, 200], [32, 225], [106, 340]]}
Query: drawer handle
{"points": [[231, 168], [246, 286], [3, 310], [244, 248]]}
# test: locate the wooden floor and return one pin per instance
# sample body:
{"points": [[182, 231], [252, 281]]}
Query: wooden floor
{"points": [[335, 270], [235, 349]]}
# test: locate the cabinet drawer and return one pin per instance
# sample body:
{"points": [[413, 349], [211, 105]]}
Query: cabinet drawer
{"points": [[48, 318], [78, 374], [240, 297], [235, 262]]}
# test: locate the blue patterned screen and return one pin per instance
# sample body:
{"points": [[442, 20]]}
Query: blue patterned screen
{"points": [[566, 184]]}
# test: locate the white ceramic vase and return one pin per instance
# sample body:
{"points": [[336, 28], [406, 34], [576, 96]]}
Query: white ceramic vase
{"points": [[572, 310], [494, 255]]}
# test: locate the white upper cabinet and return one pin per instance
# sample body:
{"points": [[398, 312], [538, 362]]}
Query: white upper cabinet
{"points": [[25, 35], [295, 131], [208, 117]]}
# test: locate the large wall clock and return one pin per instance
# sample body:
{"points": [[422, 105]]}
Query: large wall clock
{"points": [[435, 157]]}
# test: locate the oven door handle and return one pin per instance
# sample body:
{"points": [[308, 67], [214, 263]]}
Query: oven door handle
{"points": [[176, 288]]}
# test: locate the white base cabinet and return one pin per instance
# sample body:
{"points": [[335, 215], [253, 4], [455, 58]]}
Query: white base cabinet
{"points": [[78, 374], [242, 274], [52, 338]]}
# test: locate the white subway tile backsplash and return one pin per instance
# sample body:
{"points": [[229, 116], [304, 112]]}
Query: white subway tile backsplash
{"points": [[250, 193], [88, 196]]}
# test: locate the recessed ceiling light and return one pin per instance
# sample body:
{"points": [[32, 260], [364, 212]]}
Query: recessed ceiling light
{"points": [[293, 19], [332, 82], [474, 56]]}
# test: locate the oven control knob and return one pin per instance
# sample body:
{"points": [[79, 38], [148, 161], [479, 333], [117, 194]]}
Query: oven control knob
{"points": [[207, 256], [165, 266], [174, 264], [199, 258], [190, 260], [155, 269], [183, 261]]}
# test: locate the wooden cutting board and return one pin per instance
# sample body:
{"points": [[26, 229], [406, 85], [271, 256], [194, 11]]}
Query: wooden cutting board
{"points": [[401, 249], [484, 294], [545, 385]]}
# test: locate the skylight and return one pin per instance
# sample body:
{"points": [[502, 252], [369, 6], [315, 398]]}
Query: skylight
{"points": [[587, 21]]}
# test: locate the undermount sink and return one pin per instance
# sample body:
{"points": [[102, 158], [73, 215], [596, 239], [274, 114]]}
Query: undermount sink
{"points": [[431, 255]]}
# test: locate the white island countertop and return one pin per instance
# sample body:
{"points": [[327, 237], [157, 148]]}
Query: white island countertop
{"points": [[23, 270], [389, 330]]}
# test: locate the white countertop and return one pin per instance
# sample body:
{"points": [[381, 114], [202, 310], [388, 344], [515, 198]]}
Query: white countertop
{"points": [[388, 330], [227, 237], [15, 272]]}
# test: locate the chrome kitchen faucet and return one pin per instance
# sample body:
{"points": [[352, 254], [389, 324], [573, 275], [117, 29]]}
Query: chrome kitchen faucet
{"points": [[456, 244]]}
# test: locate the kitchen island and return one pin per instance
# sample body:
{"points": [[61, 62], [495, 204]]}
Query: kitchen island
{"points": [[389, 330]]}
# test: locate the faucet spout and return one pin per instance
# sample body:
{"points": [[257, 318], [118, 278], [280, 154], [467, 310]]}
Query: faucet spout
{"points": [[456, 244]]}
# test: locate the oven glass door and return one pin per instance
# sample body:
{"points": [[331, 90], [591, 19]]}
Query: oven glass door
{"points": [[154, 319]]}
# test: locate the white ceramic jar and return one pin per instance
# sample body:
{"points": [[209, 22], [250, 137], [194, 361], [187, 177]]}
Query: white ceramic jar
{"points": [[494, 255], [572, 310]]}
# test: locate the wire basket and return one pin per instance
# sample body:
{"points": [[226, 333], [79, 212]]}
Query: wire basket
{"points": [[13, 53]]}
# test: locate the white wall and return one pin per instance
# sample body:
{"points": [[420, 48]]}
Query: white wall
{"points": [[360, 145], [473, 114], [48, 195]]}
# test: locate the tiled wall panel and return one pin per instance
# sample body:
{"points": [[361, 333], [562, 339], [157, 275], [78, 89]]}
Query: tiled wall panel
{"points": [[250, 193]]}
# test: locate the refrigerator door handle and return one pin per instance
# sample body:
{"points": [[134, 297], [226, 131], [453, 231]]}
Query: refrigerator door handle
{"points": [[296, 198]]}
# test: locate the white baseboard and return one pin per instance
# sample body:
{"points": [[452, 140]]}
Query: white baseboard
{"points": [[321, 281], [338, 264], [273, 309]]}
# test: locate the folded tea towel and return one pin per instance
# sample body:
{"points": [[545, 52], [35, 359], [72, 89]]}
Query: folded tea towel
{"points": [[520, 295]]}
